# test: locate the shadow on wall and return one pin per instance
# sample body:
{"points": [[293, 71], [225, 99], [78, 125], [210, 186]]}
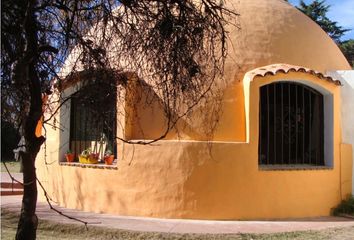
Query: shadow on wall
{"points": [[77, 196], [64, 196], [80, 197]]}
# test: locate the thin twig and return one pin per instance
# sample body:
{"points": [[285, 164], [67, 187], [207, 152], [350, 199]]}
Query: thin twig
{"points": [[12, 178], [60, 212]]}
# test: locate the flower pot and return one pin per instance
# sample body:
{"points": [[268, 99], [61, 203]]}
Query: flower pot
{"points": [[69, 157], [108, 160], [92, 158]]}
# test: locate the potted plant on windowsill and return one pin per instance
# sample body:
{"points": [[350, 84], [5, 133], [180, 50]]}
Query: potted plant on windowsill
{"points": [[69, 156], [88, 156], [108, 157]]}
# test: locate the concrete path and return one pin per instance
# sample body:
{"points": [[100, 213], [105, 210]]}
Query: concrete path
{"points": [[13, 203]]}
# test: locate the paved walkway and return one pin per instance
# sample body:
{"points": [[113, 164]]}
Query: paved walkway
{"points": [[13, 203]]}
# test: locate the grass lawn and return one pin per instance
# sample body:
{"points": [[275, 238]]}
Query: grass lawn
{"points": [[13, 166], [49, 231]]}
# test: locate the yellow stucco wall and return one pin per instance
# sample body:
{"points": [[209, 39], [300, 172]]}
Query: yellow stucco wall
{"points": [[147, 120], [219, 178], [273, 31], [278, 33], [205, 180]]}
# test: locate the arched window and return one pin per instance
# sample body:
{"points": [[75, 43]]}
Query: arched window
{"points": [[291, 126]]}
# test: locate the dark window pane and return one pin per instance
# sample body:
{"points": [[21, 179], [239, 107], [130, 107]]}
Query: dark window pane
{"points": [[291, 124], [93, 118]]}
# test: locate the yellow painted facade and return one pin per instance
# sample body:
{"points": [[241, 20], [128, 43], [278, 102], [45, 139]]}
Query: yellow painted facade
{"points": [[201, 180], [219, 178]]}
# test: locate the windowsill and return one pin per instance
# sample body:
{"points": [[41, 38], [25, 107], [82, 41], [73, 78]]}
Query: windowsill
{"points": [[87, 165], [292, 167]]}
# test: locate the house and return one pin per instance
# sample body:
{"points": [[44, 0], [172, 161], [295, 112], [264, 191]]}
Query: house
{"points": [[282, 147]]}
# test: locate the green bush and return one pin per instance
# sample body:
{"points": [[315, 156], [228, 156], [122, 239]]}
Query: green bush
{"points": [[9, 140], [345, 207]]}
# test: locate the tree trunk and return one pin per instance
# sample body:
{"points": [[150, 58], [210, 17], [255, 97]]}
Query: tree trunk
{"points": [[27, 225], [28, 221]]}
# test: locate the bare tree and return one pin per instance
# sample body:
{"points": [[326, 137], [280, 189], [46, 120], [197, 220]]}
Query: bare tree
{"points": [[177, 46]]}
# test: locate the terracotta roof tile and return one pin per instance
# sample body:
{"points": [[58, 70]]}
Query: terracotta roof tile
{"points": [[286, 68]]}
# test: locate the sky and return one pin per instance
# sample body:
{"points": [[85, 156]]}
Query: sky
{"points": [[341, 11]]}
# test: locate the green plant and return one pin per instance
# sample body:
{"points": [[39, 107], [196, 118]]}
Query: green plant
{"points": [[88, 156], [108, 152], [345, 207], [69, 151], [86, 153]]}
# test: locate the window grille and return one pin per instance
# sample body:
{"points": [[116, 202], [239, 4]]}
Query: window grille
{"points": [[93, 119], [291, 125]]}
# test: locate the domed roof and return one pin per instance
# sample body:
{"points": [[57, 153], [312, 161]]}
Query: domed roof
{"points": [[273, 31]]}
